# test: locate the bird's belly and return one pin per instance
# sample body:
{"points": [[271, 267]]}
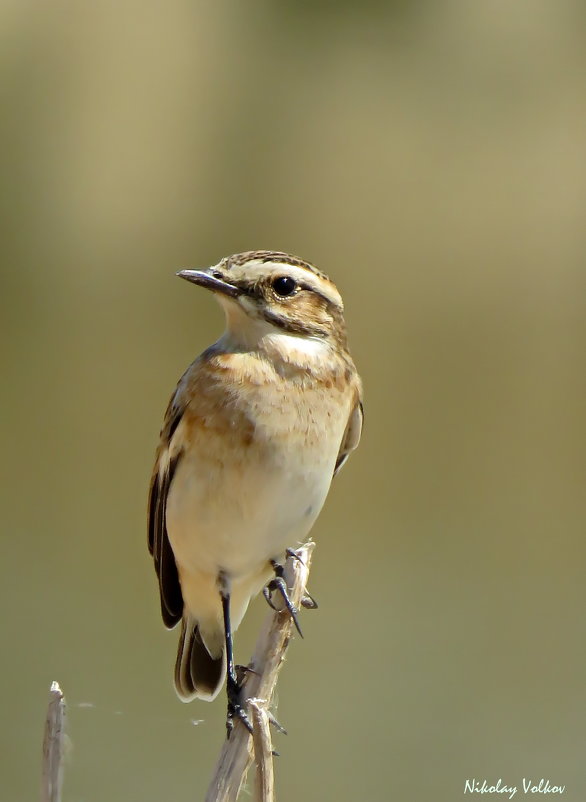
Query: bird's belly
{"points": [[234, 512]]}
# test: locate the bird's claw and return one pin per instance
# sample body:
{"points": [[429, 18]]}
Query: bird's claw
{"points": [[277, 725], [295, 555], [278, 584], [308, 602]]}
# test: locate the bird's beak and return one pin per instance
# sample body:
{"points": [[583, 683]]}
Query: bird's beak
{"points": [[207, 279]]}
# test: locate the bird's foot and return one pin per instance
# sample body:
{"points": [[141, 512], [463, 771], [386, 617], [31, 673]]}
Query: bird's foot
{"points": [[236, 711], [278, 585]]}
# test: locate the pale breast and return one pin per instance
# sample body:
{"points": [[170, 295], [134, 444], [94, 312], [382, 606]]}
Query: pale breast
{"points": [[257, 469]]}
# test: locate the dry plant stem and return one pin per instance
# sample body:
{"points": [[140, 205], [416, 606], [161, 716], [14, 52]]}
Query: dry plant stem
{"points": [[263, 751], [52, 771], [237, 752]]}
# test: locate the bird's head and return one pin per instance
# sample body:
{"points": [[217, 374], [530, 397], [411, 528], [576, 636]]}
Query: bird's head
{"points": [[264, 293]]}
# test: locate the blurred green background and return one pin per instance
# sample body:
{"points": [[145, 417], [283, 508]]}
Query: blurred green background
{"points": [[429, 156]]}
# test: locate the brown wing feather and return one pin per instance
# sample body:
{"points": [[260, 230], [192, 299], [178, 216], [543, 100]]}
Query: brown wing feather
{"points": [[158, 540], [351, 435]]}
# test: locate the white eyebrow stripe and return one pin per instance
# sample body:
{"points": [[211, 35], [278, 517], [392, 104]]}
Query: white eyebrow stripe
{"points": [[258, 269]]}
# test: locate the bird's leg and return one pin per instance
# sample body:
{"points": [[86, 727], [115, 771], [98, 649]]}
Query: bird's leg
{"points": [[278, 584], [233, 687]]}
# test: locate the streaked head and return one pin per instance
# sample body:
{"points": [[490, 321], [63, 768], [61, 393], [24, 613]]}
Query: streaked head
{"points": [[271, 290]]}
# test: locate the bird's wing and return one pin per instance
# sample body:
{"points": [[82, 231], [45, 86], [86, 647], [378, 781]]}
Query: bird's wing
{"points": [[158, 540], [351, 435]]}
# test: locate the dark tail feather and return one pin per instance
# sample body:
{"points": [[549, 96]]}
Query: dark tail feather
{"points": [[197, 673]]}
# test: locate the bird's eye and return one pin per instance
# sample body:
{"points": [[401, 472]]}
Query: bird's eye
{"points": [[284, 286]]}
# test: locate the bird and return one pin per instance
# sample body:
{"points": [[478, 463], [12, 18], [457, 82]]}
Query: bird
{"points": [[255, 431]]}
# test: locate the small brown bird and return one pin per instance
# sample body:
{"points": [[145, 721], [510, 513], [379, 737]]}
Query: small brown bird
{"points": [[258, 425]]}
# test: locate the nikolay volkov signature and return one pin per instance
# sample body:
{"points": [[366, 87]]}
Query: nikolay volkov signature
{"points": [[528, 786]]}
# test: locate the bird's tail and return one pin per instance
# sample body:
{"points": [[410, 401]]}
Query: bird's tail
{"points": [[199, 670]]}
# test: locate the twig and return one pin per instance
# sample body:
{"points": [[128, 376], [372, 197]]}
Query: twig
{"points": [[269, 653], [52, 772], [263, 750]]}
